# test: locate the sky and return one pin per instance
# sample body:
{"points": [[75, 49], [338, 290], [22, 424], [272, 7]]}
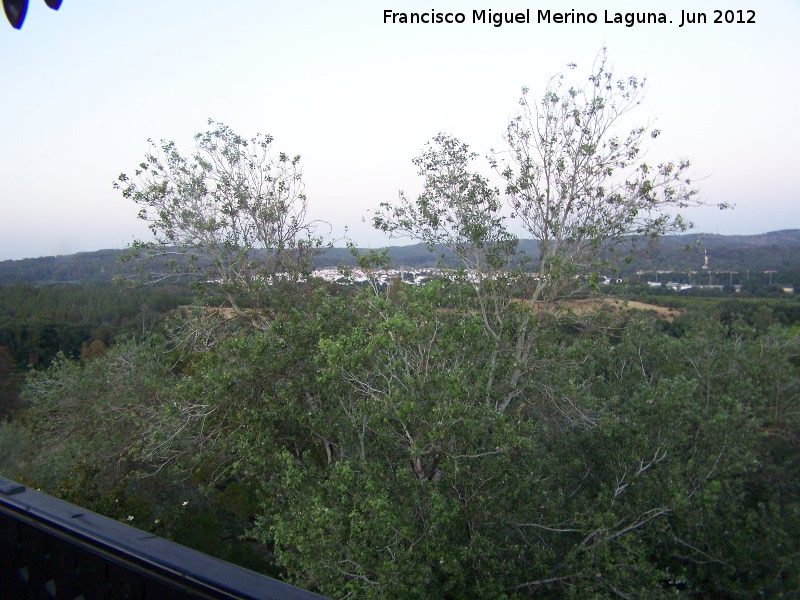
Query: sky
{"points": [[84, 88]]}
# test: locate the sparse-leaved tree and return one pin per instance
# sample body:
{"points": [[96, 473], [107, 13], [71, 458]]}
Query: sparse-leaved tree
{"points": [[233, 214], [575, 180]]}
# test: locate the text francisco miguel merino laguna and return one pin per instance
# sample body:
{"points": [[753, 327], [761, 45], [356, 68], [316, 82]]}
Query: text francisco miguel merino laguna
{"points": [[628, 19]]}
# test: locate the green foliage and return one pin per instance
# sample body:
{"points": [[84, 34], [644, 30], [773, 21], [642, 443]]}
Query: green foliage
{"points": [[607, 478], [17, 448], [9, 384]]}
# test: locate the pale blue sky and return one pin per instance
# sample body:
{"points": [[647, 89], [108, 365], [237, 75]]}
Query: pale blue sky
{"points": [[83, 88]]}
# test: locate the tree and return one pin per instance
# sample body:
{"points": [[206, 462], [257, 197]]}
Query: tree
{"points": [[232, 215], [575, 179], [578, 181]]}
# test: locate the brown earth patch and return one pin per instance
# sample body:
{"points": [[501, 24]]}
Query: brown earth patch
{"points": [[582, 307]]}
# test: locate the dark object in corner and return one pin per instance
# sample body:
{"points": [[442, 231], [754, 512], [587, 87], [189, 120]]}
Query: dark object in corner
{"points": [[53, 549], [17, 9]]}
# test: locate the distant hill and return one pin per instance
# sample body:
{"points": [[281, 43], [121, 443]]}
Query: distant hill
{"points": [[785, 237], [71, 268], [776, 250]]}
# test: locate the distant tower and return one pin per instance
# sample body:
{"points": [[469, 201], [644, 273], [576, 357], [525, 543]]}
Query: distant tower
{"points": [[705, 263]]}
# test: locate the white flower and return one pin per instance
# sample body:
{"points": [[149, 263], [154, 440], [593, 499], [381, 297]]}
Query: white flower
{"points": [[185, 502], [130, 517]]}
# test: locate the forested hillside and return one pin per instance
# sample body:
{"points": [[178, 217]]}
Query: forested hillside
{"points": [[78, 321], [83, 267], [38, 322], [778, 250]]}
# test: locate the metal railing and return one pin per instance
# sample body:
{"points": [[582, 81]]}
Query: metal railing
{"points": [[53, 549]]}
